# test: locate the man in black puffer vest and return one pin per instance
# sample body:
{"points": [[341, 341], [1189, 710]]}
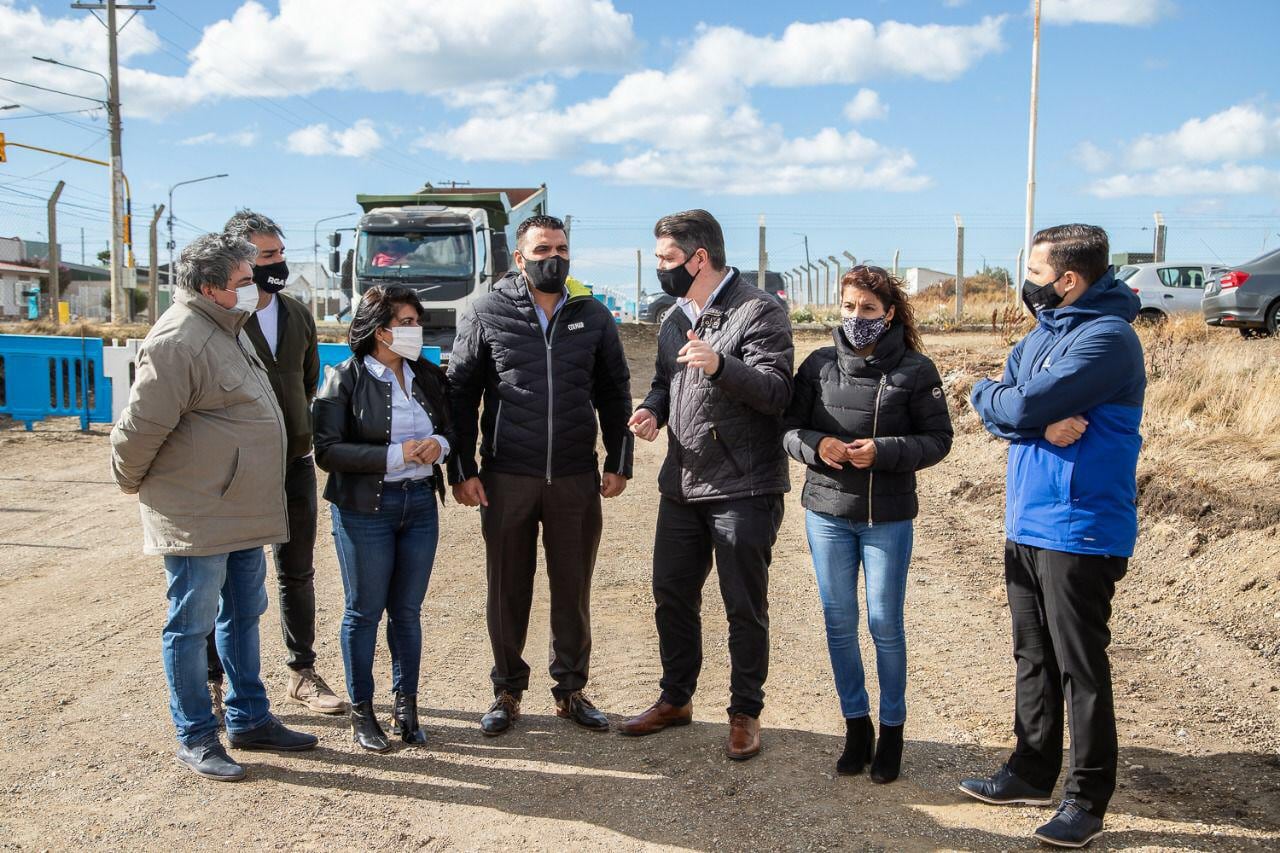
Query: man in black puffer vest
{"points": [[721, 384], [545, 358]]}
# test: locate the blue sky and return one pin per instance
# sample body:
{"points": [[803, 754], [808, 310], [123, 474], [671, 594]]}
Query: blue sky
{"points": [[863, 125]]}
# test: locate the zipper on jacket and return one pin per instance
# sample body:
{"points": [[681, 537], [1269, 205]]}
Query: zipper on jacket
{"points": [[551, 400], [724, 447], [871, 474], [497, 426]]}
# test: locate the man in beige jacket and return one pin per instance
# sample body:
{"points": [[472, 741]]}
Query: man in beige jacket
{"points": [[202, 445]]}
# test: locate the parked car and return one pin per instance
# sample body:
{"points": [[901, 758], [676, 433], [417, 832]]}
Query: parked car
{"points": [[1167, 288], [1246, 297]]}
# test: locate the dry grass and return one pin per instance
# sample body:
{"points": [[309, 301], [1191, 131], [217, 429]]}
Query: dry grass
{"points": [[1213, 404]]}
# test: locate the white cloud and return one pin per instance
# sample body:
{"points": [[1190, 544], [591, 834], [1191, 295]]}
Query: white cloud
{"points": [[718, 141], [241, 138], [316, 140], [1203, 156], [1238, 133], [1091, 158], [426, 47], [1229, 179], [1124, 12], [865, 106]]}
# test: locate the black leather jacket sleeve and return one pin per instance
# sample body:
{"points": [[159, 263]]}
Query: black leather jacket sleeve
{"points": [[337, 446]]}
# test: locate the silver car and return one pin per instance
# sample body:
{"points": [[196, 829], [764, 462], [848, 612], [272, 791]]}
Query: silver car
{"points": [[1246, 297], [1167, 288]]}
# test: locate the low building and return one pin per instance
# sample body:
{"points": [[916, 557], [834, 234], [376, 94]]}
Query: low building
{"points": [[918, 279]]}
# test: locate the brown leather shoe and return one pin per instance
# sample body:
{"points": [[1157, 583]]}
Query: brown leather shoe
{"points": [[660, 715], [744, 737]]}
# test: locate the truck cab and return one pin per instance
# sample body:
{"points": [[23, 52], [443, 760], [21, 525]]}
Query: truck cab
{"points": [[450, 245]]}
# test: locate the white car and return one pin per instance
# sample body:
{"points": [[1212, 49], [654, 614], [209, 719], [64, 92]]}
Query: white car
{"points": [[1167, 288]]}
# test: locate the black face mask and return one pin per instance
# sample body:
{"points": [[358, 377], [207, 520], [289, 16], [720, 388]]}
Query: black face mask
{"points": [[1040, 297], [271, 278], [547, 275], [677, 280]]}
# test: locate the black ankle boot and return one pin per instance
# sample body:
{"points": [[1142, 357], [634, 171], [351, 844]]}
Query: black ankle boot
{"points": [[888, 761], [404, 718], [859, 735], [365, 730]]}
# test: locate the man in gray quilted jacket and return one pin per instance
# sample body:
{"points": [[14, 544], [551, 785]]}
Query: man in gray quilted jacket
{"points": [[721, 383]]}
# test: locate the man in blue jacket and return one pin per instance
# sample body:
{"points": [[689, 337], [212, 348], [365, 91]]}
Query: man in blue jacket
{"points": [[1069, 404]]}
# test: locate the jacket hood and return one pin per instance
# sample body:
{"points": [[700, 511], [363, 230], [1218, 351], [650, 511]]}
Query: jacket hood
{"points": [[1105, 297]]}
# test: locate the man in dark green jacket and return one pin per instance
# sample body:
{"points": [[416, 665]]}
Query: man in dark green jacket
{"points": [[284, 335]]}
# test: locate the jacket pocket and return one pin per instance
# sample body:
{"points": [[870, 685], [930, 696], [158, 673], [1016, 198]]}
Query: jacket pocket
{"points": [[252, 472], [727, 451], [497, 429], [240, 395]]}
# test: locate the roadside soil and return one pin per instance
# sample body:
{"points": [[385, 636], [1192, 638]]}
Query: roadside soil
{"points": [[86, 745]]}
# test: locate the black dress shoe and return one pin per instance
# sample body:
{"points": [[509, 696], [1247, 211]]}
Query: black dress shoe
{"points": [[859, 736], [578, 708], [1070, 826], [404, 719], [365, 730], [887, 764], [211, 761], [273, 737], [1006, 789], [504, 711]]}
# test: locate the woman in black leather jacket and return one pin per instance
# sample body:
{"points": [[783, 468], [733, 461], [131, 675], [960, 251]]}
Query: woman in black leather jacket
{"points": [[866, 414], [382, 431]]}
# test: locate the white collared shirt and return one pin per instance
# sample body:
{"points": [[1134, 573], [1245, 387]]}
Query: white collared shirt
{"points": [[269, 322], [408, 421], [543, 319], [691, 310]]}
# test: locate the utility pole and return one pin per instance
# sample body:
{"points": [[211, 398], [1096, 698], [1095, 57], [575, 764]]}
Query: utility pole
{"points": [[763, 263], [1161, 235], [960, 266], [638, 289], [54, 283], [113, 115], [568, 224], [1031, 136], [153, 286], [81, 247]]}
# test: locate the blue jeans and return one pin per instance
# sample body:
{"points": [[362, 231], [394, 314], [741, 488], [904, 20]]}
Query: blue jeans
{"points": [[225, 594], [386, 558], [839, 546]]}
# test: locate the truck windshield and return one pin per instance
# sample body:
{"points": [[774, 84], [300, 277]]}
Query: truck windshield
{"points": [[434, 254]]}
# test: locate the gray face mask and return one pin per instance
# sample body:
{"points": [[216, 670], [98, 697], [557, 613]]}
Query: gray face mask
{"points": [[862, 332]]}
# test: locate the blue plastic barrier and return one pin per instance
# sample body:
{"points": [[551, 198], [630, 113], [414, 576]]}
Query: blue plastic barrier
{"points": [[331, 355], [44, 376]]}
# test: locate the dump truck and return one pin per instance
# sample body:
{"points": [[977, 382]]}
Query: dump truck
{"points": [[450, 244]]}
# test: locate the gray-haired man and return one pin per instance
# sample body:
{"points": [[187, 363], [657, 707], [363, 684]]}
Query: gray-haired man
{"points": [[202, 444]]}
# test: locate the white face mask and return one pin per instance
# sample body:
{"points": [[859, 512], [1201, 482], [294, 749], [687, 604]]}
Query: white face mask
{"points": [[406, 341], [247, 298]]}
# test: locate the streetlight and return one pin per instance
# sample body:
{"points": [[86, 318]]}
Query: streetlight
{"points": [[170, 221], [105, 81], [315, 259]]}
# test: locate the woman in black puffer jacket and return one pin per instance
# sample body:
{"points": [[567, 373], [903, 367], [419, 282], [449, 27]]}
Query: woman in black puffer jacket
{"points": [[866, 414]]}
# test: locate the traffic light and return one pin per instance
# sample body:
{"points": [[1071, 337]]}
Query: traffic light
{"points": [[2, 157]]}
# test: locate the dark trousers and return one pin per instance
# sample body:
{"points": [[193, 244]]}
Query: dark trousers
{"points": [[740, 535], [568, 511], [1060, 604], [295, 570]]}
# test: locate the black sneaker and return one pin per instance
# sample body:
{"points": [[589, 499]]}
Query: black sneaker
{"points": [[210, 760], [274, 737], [1006, 789], [1070, 826]]}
